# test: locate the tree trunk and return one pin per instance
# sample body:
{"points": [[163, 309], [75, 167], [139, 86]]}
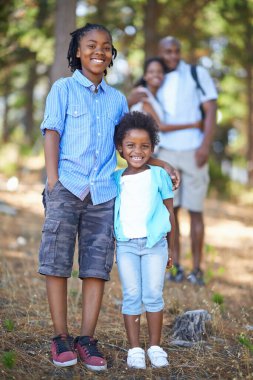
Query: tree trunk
{"points": [[5, 134], [250, 124], [29, 105], [65, 23], [249, 84], [151, 15]]}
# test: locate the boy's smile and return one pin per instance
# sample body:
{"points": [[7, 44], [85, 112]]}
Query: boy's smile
{"points": [[95, 53], [136, 149]]}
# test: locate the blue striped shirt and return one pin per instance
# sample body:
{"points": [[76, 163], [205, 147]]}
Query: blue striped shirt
{"points": [[85, 121]]}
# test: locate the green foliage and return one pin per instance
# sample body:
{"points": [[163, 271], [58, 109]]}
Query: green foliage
{"points": [[219, 182], [218, 299], [245, 341], [9, 325], [173, 271], [9, 359], [27, 46], [74, 273], [73, 293], [212, 270]]}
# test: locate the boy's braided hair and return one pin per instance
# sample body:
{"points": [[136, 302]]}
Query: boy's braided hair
{"points": [[75, 62]]}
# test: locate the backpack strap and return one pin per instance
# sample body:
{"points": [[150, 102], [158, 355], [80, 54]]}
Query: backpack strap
{"points": [[196, 79]]}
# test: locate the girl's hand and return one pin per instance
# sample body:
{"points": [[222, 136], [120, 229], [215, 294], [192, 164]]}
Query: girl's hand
{"points": [[137, 95], [169, 263]]}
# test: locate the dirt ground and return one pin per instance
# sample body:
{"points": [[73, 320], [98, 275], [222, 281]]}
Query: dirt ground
{"points": [[26, 328]]}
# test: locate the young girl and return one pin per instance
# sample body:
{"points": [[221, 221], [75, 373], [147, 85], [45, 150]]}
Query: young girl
{"points": [[154, 71], [79, 123], [142, 220]]}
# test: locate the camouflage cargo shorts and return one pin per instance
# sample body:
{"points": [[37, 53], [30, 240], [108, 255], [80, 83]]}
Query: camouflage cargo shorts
{"points": [[68, 217]]}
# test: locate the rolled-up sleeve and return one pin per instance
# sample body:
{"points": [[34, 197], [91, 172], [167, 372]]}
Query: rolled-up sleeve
{"points": [[207, 84], [55, 110]]}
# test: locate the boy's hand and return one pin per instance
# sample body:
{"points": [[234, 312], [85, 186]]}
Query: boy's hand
{"points": [[51, 183], [174, 175]]}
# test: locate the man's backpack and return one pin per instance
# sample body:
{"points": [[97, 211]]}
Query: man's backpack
{"points": [[198, 85]]}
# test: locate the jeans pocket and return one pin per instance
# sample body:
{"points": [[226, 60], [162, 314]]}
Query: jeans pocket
{"points": [[49, 241]]}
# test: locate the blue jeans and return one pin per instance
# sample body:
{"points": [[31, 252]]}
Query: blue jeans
{"points": [[141, 271]]}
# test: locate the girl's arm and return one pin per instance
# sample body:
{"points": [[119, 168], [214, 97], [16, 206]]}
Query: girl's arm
{"points": [[178, 127], [147, 108], [51, 149], [171, 235]]}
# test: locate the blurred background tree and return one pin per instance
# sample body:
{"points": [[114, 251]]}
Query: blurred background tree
{"points": [[216, 34]]}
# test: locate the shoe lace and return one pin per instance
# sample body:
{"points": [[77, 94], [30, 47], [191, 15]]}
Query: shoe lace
{"points": [[63, 343], [90, 347]]}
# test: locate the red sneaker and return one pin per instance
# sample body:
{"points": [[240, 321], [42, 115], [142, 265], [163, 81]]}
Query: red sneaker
{"points": [[63, 352], [89, 354]]}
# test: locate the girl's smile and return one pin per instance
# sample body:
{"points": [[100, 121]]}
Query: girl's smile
{"points": [[95, 53], [136, 149], [154, 75]]}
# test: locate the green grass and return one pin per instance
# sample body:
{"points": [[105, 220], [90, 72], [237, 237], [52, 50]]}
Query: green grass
{"points": [[218, 299], [245, 341], [8, 325], [9, 359]]}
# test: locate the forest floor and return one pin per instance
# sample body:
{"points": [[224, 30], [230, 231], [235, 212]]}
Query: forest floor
{"points": [[25, 325]]}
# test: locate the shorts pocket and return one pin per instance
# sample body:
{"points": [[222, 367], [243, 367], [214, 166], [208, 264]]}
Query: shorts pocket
{"points": [[110, 252], [49, 241], [55, 187], [44, 198]]}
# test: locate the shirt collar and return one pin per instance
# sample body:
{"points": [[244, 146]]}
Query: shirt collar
{"points": [[180, 67], [79, 77]]}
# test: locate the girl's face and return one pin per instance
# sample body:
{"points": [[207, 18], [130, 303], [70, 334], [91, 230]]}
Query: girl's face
{"points": [[154, 75], [95, 53], [136, 149]]}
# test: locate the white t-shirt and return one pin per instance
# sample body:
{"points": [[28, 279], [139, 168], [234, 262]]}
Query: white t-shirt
{"points": [[181, 103], [135, 204]]}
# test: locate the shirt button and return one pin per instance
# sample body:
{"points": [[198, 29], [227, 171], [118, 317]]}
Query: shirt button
{"points": [[92, 183], [95, 169], [99, 134], [97, 151], [75, 113], [97, 117], [96, 101]]}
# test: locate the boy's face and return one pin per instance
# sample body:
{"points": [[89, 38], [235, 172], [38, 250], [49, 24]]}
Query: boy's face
{"points": [[95, 53], [136, 149], [170, 53]]}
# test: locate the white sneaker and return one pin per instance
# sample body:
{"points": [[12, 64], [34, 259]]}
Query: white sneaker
{"points": [[157, 356], [136, 358]]}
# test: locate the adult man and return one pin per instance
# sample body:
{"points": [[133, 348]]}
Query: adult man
{"points": [[184, 146], [187, 149]]}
